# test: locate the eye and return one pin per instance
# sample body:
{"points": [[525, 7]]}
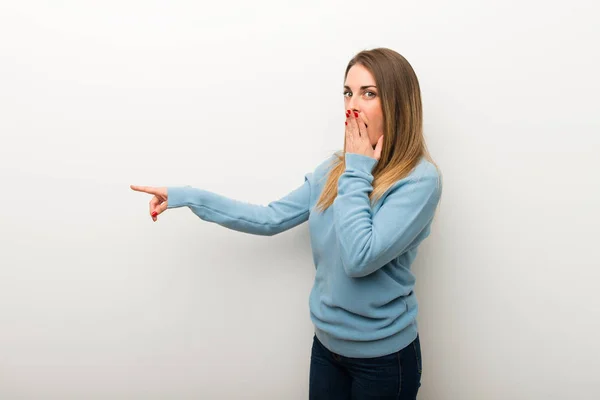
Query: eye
{"points": [[373, 94], [346, 93]]}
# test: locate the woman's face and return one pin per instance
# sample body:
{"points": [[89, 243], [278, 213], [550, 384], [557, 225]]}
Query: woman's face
{"points": [[361, 95]]}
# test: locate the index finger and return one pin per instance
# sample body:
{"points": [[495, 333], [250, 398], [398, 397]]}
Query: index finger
{"points": [[145, 189]]}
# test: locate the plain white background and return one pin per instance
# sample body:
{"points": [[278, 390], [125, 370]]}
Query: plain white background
{"points": [[243, 98]]}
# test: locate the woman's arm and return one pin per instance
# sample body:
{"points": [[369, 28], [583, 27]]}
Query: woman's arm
{"points": [[367, 241], [278, 216]]}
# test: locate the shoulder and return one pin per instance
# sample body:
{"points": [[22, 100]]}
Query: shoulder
{"points": [[424, 170], [326, 164], [423, 181]]}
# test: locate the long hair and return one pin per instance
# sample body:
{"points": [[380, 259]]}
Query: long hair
{"points": [[403, 142]]}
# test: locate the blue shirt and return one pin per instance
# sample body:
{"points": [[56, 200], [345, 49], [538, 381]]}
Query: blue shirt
{"points": [[362, 302]]}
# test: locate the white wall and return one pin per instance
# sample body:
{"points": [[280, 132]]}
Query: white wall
{"points": [[243, 98]]}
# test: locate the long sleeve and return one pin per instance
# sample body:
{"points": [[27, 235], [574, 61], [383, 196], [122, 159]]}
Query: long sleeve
{"points": [[367, 242], [278, 216]]}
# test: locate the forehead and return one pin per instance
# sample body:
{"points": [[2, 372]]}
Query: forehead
{"points": [[359, 76]]}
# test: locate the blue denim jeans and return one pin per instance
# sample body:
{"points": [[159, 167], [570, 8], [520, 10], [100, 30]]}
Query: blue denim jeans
{"points": [[394, 376]]}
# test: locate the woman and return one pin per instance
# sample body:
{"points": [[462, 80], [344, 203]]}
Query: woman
{"points": [[368, 209]]}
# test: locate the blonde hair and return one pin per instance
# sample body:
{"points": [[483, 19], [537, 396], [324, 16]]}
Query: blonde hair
{"points": [[403, 142]]}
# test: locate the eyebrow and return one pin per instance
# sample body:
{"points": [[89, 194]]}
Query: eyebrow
{"points": [[362, 87]]}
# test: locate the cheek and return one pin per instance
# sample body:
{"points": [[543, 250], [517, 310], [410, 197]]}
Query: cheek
{"points": [[380, 124], [375, 120], [375, 128], [375, 113]]}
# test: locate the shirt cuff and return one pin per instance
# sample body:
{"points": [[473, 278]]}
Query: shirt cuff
{"points": [[360, 162], [178, 196]]}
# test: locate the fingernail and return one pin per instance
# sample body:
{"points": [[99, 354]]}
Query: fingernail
{"points": [[356, 114], [154, 213], [346, 122]]}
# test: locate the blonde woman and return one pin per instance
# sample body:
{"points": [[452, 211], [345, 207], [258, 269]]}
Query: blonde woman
{"points": [[368, 208]]}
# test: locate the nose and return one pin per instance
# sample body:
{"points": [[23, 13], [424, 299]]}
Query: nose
{"points": [[353, 105]]}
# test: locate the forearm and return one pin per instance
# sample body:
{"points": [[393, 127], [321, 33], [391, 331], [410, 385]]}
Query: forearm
{"points": [[276, 217], [368, 241]]}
